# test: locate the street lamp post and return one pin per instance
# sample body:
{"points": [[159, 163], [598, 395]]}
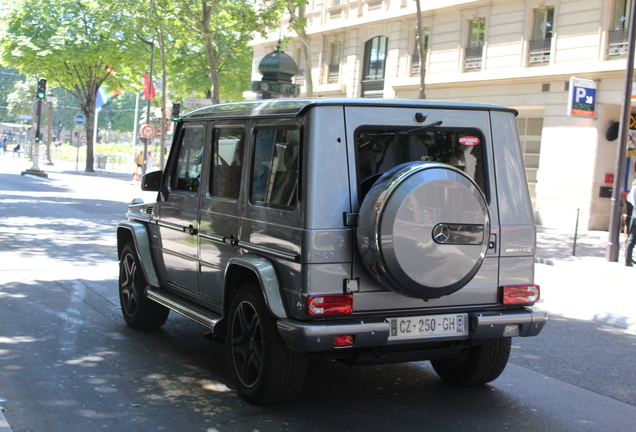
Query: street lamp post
{"points": [[613, 244]]}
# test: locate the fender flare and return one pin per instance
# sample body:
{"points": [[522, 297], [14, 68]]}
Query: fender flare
{"points": [[139, 234], [268, 280]]}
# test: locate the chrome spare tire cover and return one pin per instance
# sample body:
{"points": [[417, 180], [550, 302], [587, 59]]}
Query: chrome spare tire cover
{"points": [[423, 229]]}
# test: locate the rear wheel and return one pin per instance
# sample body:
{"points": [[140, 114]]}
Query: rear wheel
{"points": [[138, 311], [264, 368], [476, 365]]}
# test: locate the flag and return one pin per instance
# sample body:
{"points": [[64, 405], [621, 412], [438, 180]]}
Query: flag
{"points": [[102, 97], [149, 88]]}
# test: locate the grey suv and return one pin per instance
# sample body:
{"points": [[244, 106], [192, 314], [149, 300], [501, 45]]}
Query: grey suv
{"points": [[368, 231]]}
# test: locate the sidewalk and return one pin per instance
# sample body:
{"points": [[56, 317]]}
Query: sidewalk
{"points": [[556, 248], [585, 285]]}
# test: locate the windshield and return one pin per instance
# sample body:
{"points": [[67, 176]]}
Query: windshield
{"points": [[381, 148]]}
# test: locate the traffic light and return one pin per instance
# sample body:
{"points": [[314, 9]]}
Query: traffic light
{"points": [[42, 88], [176, 108]]}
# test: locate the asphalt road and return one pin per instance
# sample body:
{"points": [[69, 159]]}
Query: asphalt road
{"points": [[69, 363]]}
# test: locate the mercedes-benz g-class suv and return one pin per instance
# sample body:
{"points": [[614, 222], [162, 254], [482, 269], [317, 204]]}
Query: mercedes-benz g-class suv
{"points": [[368, 231]]}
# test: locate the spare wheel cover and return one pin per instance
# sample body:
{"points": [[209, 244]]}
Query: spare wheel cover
{"points": [[424, 229]]}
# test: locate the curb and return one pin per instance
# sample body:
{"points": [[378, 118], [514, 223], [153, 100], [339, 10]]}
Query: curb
{"points": [[614, 320]]}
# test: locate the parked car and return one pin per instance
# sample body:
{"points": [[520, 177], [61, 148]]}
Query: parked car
{"points": [[368, 231]]}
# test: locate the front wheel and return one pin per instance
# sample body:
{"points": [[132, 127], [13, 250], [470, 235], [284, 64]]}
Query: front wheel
{"points": [[138, 311], [264, 368], [476, 365]]}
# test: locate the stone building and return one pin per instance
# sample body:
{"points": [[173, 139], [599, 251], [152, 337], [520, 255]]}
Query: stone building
{"points": [[516, 53]]}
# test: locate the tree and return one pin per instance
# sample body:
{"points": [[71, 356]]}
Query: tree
{"points": [[221, 27], [8, 79], [76, 45], [298, 22], [420, 51]]}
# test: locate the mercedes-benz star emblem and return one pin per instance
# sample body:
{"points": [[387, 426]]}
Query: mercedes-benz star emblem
{"points": [[441, 233]]}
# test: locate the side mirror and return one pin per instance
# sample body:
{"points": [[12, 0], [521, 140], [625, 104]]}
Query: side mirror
{"points": [[151, 182]]}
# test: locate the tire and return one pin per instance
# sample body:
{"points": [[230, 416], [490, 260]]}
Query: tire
{"points": [[423, 229], [477, 365], [139, 312], [264, 369]]}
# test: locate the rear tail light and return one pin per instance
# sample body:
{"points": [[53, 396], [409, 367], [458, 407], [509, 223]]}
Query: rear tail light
{"points": [[520, 294], [330, 305]]}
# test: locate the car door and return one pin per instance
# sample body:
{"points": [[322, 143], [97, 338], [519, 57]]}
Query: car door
{"points": [[220, 211], [178, 212]]}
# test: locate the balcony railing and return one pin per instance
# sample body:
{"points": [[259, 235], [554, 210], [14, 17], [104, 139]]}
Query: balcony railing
{"points": [[473, 58], [300, 77], [617, 45], [539, 51], [334, 74], [415, 64]]}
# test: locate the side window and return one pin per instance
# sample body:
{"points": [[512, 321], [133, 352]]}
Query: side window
{"points": [[187, 174], [275, 168], [227, 162]]}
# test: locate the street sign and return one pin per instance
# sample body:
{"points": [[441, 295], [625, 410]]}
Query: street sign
{"points": [[582, 98], [78, 128], [158, 133], [191, 102], [79, 119], [147, 131]]}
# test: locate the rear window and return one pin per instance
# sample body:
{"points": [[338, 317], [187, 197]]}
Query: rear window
{"points": [[381, 148]]}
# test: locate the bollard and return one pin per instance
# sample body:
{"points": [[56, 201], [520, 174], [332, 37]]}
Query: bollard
{"points": [[576, 231]]}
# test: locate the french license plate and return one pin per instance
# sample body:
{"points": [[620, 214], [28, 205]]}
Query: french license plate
{"points": [[427, 326]]}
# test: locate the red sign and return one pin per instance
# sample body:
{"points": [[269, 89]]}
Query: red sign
{"points": [[158, 133], [469, 140], [147, 131]]}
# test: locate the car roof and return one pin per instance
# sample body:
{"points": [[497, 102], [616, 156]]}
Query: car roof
{"points": [[297, 107]]}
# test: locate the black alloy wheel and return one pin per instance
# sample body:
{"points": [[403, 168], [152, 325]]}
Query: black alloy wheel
{"points": [[264, 368], [138, 311]]}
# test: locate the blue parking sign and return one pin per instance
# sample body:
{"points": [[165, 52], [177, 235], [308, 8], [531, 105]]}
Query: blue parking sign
{"points": [[582, 98]]}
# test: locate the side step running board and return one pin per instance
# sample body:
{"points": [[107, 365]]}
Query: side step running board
{"points": [[185, 308]]}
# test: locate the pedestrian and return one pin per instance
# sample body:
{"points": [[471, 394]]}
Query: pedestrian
{"points": [[149, 161], [139, 160], [631, 225]]}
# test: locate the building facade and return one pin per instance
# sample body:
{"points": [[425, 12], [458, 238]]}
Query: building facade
{"points": [[517, 53]]}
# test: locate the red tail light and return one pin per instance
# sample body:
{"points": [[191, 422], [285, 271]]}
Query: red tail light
{"points": [[520, 294], [330, 305]]}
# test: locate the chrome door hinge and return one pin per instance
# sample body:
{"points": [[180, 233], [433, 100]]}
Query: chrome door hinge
{"points": [[351, 285], [350, 219]]}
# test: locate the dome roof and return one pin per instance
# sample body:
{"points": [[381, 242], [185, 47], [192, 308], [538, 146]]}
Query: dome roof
{"points": [[277, 66]]}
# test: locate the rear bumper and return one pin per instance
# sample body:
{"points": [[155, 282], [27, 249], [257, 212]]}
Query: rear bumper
{"points": [[319, 336]]}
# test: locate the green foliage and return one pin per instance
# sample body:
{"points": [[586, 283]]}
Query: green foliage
{"points": [[8, 79], [76, 45], [120, 112]]}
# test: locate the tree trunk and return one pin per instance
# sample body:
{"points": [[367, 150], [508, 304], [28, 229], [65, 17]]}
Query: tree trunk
{"points": [[164, 128], [420, 50], [89, 112], [210, 52]]}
